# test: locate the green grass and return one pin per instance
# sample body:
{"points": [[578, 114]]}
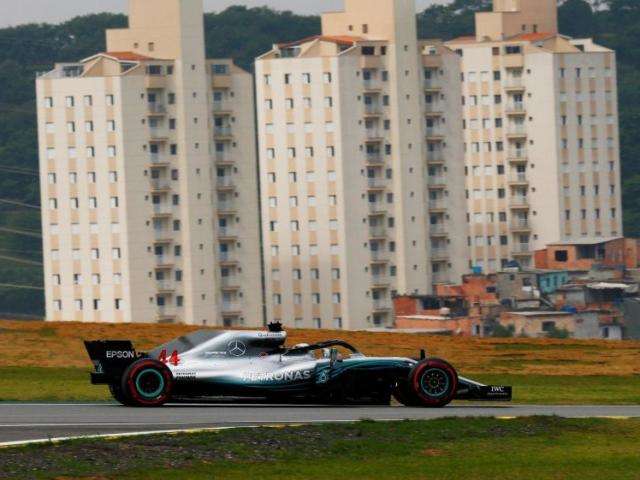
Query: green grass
{"points": [[526, 449], [569, 390], [31, 384], [72, 384]]}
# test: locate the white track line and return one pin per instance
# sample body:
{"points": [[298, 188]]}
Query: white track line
{"points": [[115, 436]]}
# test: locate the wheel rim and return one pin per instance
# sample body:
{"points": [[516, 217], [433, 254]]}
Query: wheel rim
{"points": [[435, 383], [150, 383]]}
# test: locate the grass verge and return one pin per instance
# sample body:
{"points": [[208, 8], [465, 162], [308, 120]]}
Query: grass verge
{"points": [[528, 448], [72, 384]]}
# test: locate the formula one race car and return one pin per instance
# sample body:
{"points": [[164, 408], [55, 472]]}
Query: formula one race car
{"points": [[243, 365]]}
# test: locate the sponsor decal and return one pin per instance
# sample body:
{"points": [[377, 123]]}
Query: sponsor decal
{"points": [[323, 377], [497, 389], [120, 354], [276, 376], [236, 348], [185, 376]]}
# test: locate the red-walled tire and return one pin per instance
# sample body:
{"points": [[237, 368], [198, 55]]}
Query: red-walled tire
{"points": [[147, 383], [434, 383]]}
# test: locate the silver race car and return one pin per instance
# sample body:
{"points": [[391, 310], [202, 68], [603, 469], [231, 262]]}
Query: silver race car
{"points": [[256, 365]]}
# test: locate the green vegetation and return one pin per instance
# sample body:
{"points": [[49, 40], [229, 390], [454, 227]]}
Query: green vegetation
{"points": [[34, 384], [528, 448], [568, 390], [242, 34]]}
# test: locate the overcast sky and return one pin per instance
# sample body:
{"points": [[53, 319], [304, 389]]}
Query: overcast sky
{"points": [[16, 12]]}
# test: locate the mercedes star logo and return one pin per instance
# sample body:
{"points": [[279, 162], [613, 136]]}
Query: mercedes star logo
{"points": [[236, 348]]}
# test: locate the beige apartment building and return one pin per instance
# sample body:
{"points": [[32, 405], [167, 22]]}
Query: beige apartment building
{"points": [[149, 185], [540, 134], [361, 168]]}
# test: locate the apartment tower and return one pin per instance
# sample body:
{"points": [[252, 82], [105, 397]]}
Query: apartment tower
{"points": [[147, 160], [541, 134], [357, 170]]}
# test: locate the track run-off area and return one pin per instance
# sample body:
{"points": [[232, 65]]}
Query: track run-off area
{"points": [[34, 422]]}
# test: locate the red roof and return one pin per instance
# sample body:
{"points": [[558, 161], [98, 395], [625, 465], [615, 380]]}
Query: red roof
{"points": [[464, 39], [338, 39], [128, 56], [534, 37]]}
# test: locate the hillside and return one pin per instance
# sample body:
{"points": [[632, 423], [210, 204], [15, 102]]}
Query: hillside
{"points": [[241, 33]]}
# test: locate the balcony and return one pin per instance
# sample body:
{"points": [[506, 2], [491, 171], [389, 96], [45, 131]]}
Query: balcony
{"points": [[221, 107], [162, 210], [434, 133], [436, 181], [437, 204], [432, 85], [438, 229], [166, 315], [518, 155], [223, 158], [381, 305], [518, 178], [158, 160], [380, 280], [372, 109], [160, 185], [519, 202], [520, 224], [226, 206], [225, 182], [433, 109], [514, 84], [226, 257], [230, 282], [435, 157], [165, 286], [377, 208], [441, 277], [379, 256], [163, 236], [377, 231], [155, 81], [376, 183], [517, 131], [372, 84], [373, 135], [440, 254], [227, 232], [222, 131], [521, 249], [156, 109], [515, 108], [375, 158], [231, 308], [158, 135], [164, 262]]}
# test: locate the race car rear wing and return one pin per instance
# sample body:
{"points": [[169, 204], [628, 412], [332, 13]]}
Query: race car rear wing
{"points": [[110, 359]]}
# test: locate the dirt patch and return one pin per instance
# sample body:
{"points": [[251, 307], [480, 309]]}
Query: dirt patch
{"points": [[40, 344]]}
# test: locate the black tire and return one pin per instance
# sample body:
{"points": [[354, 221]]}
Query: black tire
{"points": [[147, 383], [404, 395], [433, 383], [118, 395]]}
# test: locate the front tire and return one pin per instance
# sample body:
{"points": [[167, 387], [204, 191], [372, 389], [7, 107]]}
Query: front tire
{"points": [[147, 383], [433, 383]]}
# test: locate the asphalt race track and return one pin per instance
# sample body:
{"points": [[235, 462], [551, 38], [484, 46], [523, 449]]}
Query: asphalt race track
{"points": [[23, 422]]}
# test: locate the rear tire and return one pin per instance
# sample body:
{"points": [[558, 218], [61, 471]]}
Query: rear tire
{"points": [[118, 395], [147, 383], [433, 383]]}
